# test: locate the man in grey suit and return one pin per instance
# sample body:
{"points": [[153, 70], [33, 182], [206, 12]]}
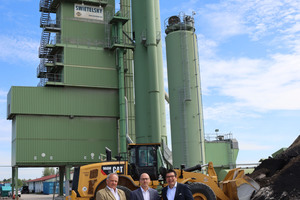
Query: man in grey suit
{"points": [[144, 192]]}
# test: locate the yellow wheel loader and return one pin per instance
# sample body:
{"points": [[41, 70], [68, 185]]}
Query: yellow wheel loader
{"points": [[144, 158]]}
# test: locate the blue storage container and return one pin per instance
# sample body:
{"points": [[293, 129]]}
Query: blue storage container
{"points": [[5, 189], [48, 188]]}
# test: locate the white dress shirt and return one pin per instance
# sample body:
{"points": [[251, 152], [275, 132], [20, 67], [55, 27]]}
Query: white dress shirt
{"points": [[171, 192], [115, 193], [146, 194]]}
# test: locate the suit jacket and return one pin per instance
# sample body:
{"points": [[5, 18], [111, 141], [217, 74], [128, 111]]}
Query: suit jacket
{"points": [[138, 195], [182, 192], [105, 194]]}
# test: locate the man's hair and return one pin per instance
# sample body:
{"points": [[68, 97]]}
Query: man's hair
{"points": [[112, 174], [142, 174], [172, 171]]}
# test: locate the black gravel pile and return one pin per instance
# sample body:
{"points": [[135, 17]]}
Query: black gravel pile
{"points": [[279, 177]]}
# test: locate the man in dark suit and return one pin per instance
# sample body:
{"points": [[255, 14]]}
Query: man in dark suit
{"points": [[144, 192], [174, 190]]}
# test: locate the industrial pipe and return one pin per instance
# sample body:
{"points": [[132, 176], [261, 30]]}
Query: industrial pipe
{"points": [[160, 72], [120, 52], [128, 139], [153, 72]]}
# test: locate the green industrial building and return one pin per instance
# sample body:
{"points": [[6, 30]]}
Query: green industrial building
{"points": [[76, 111], [101, 84]]}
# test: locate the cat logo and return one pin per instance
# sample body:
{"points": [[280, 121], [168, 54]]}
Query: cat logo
{"points": [[107, 169]]}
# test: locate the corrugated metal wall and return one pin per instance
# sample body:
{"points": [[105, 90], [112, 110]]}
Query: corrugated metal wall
{"points": [[62, 140], [92, 77], [63, 101], [220, 153], [86, 57]]}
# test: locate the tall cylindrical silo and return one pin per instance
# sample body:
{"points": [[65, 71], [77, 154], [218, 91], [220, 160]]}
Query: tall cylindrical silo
{"points": [[148, 78], [186, 113]]}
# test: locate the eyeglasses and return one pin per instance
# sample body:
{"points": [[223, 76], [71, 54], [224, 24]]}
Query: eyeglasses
{"points": [[172, 176]]}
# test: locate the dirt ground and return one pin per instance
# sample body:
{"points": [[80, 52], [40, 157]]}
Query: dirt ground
{"points": [[279, 177], [32, 196]]}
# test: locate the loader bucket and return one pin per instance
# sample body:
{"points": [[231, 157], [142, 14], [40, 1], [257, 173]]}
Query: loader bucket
{"points": [[247, 188], [238, 186]]}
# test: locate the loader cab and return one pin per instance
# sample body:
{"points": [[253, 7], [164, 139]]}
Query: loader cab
{"points": [[143, 159]]}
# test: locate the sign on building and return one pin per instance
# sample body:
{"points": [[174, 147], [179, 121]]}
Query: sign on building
{"points": [[88, 12]]}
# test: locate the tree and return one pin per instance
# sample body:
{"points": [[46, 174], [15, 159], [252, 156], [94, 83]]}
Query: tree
{"points": [[20, 182], [48, 171]]}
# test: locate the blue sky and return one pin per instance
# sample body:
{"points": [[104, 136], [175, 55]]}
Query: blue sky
{"points": [[249, 53]]}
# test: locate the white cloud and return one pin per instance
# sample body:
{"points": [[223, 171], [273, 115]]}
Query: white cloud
{"points": [[5, 130], [223, 111], [273, 17], [207, 47], [23, 173], [261, 84], [5, 173], [227, 24], [30, 173], [253, 146], [221, 73], [179, 8], [254, 18], [13, 49], [272, 84], [3, 93], [5, 158]]}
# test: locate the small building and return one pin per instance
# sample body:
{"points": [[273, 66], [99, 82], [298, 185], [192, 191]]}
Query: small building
{"points": [[36, 185], [45, 184]]}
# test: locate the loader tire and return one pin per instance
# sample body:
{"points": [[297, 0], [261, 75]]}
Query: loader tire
{"points": [[201, 191], [126, 190]]}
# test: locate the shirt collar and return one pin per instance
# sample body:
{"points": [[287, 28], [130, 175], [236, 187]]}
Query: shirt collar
{"points": [[144, 190], [175, 186], [112, 190]]}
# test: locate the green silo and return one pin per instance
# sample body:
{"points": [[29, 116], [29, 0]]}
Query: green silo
{"points": [[186, 113], [148, 72]]}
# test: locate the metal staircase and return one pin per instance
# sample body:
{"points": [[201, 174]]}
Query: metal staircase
{"points": [[44, 21], [45, 5], [43, 50], [41, 69], [45, 18], [44, 71]]}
